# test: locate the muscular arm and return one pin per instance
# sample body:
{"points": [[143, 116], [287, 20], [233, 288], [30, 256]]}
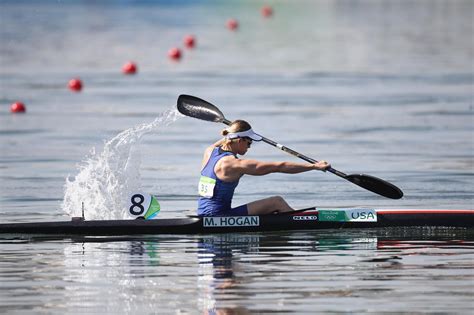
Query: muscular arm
{"points": [[258, 168]]}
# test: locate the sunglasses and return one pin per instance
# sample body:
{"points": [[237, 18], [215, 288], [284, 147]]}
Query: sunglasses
{"points": [[248, 140]]}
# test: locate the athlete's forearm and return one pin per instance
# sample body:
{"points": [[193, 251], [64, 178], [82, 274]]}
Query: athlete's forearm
{"points": [[280, 167], [294, 168]]}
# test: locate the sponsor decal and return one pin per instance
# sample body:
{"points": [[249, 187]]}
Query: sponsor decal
{"points": [[305, 217], [348, 215], [231, 221]]}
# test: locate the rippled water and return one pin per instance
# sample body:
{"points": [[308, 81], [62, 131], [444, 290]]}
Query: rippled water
{"points": [[382, 88], [428, 270]]}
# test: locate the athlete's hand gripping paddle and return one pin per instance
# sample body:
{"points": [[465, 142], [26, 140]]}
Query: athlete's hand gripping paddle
{"points": [[195, 107]]}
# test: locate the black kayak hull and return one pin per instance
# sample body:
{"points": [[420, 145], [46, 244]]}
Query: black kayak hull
{"points": [[308, 220]]}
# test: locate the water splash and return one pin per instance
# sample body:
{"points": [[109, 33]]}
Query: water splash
{"points": [[107, 179]]}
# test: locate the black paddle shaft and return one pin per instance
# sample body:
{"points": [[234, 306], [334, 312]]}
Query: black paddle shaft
{"points": [[195, 107], [283, 148], [301, 156], [290, 151]]}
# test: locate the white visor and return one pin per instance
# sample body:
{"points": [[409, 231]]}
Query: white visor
{"points": [[244, 134]]}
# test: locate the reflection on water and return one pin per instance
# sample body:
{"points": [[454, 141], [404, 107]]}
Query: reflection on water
{"points": [[236, 264], [216, 268], [240, 273]]}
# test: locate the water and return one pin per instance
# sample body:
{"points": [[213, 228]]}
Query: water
{"points": [[106, 181], [382, 88], [427, 271]]}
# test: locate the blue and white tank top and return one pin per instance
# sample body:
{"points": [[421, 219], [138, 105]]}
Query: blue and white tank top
{"points": [[215, 194]]}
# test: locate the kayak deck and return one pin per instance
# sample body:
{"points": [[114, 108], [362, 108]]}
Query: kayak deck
{"points": [[354, 218]]}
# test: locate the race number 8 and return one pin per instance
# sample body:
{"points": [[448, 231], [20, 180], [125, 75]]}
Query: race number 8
{"points": [[133, 208]]}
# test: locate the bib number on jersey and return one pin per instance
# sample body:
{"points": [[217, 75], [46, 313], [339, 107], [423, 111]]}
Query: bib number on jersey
{"points": [[206, 186]]}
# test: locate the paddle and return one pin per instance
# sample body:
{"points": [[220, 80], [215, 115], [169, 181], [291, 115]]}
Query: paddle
{"points": [[195, 107]]}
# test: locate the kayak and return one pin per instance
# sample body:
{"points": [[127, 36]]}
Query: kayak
{"points": [[316, 219]]}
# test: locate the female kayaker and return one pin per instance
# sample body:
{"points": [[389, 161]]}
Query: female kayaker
{"points": [[222, 170]]}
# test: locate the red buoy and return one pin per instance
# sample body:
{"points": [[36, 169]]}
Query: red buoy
{"points": [[129, 68], [189, 41], [174, 53], [232, 24], [18, 107], [266, 11], [75, 85]]}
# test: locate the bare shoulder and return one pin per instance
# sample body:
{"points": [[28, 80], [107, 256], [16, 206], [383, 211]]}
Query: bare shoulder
{"points": [[208, 150], [230, 161], [207, 154], [227, 169]]}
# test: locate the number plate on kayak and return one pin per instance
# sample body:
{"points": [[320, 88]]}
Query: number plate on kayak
{"points": [[348, 215]]}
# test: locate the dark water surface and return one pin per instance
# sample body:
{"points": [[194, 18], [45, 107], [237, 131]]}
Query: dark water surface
{"points": [[377, 87]]}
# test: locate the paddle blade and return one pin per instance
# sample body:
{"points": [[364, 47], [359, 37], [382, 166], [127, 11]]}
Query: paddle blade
{"points": [[195, 107], [376, 185]]}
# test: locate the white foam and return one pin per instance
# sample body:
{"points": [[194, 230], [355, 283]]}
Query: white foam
{"points": [[106, 180]]}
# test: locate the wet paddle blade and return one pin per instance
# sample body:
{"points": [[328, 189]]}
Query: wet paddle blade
{"points": [[376, 185], [195, 107]]}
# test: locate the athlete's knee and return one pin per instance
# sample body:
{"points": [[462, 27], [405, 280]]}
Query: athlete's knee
{"points": [[278, 200], [280, 204]]}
